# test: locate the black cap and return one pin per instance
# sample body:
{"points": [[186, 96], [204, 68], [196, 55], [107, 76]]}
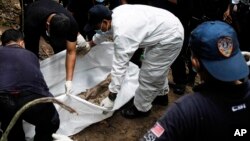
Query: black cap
{"points": [[95, 16]]}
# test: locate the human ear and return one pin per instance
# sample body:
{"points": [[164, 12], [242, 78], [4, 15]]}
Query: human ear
{"points": [[21, 43], [107, 24]]}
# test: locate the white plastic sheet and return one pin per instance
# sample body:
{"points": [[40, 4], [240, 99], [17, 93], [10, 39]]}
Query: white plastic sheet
{"points": [[89, 71]]}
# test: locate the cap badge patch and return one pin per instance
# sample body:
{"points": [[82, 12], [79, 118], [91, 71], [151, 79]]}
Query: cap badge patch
{"points": [[225, 46]]}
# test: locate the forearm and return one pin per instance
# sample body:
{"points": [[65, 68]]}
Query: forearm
{"points": [[119, 67], [70, 60]]}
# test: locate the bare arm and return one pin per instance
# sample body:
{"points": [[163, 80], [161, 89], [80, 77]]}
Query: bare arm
{"points": [[70, 60]]}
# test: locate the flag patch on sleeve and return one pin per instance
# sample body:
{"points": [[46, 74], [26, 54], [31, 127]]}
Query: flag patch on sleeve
{"points": [[157, 129]]}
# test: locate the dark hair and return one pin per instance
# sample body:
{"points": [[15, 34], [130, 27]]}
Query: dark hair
{"points": [[59, 25], [11, 35]]}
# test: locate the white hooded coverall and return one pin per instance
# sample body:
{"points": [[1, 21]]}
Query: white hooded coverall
{"points": [[159, 32]]}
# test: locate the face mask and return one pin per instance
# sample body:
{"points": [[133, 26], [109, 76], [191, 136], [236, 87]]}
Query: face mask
{"points": [[99, 31], [99, 1], [47, 33]]}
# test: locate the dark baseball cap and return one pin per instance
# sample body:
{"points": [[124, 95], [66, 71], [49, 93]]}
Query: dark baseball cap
{"points": [[216, 44], [95, 16]]}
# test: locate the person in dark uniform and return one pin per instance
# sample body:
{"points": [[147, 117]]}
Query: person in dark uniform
{"points": [[79, 10], [64, 2], [179, 71], [240, 11], [21, 82], [52, 21], [191, 13], [221, 105]]}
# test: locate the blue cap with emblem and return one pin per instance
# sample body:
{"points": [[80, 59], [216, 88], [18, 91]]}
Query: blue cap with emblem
{"points": [[215, 43]]}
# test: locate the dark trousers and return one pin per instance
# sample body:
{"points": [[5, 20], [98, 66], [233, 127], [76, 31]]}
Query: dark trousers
{"points": [[241, 23], [179, 70], [182, 68], [136, 58], [43, 116]]}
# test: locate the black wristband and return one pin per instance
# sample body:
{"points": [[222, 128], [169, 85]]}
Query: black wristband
{"points": [[112, 96]]}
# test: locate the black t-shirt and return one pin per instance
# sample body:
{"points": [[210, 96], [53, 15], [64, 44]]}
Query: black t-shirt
{"points": [[79, 9], [35, 22], [215, 113], [20, 71]]}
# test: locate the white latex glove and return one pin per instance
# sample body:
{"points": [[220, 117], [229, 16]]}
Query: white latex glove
{"points": [[80, 42], [107, 103], [59, 137], [83, 50], [88, 46], [68, 87]]}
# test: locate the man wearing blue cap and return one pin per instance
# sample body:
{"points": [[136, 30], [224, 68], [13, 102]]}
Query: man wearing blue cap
{"points": [[220, 108], [131, 27]]}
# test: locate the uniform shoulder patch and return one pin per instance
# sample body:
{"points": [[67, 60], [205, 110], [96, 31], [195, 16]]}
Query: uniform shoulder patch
{"points": [[157, 130]]}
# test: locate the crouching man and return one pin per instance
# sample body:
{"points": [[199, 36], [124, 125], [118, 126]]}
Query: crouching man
{"points": [[21, 81]]}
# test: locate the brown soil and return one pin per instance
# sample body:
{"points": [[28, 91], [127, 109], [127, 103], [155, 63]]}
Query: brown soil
{"points": [[118, 128]]}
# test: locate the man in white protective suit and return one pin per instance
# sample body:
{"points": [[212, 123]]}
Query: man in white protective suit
{"points": [[130, 27]]}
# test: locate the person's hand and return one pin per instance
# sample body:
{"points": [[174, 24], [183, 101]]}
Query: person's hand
{"points": [[80, 42], [68, 87], [107, 103], [83, 50], [59, 137]]}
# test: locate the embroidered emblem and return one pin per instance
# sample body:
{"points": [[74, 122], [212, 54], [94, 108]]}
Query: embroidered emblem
{"points": [[225, 46], [157, 130], [239, 107], [149, 136]]}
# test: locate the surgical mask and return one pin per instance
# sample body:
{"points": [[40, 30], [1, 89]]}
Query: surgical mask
{"points": [[99, 31], [47, 33], [99, 1]]}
